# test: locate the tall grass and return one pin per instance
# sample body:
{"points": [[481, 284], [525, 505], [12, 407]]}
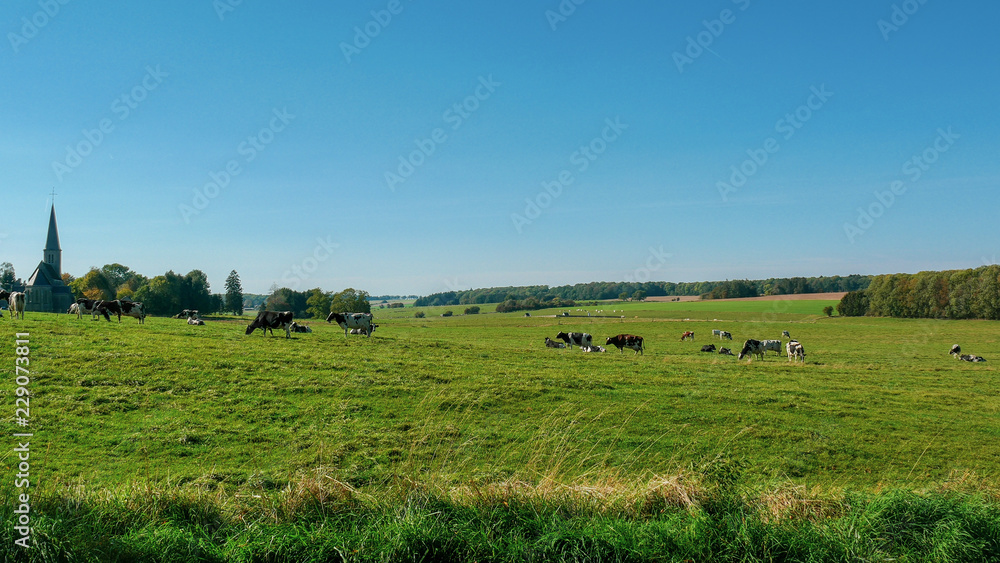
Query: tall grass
{"points": [[710, 516]]}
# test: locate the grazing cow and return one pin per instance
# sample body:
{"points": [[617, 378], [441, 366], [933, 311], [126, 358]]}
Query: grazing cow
{"points": [[195, 321], [752, 347], [348, 321], [795, 351], [84, 305], [623, 341], [955, 350], [774, 345], [725, 335], [686, 335], [716, 332], [134, 309], [270, 320], [592, 348], [580, 339], [553, 344], [15, 303], [785, 334], [296, 327], [708, 348], [726, 352], [108, 308]]}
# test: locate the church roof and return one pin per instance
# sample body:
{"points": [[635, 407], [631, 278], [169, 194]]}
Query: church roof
{"points": [[44, 275], [52, 242]]}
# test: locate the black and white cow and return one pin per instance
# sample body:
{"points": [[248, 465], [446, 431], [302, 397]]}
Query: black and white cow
{"points": [[716, 332], [956, 350], [752, 347], [594, 348], [296, 327], [795, 351], [361, 330], [15, 303], [270, 320], [725, 335], [195, 321], [549, 343], [708, 348], [623, 341], [785, 334], [581, 339], [108, 308], [971, 358], [83, 305], [773, 345], [347, 321], [134, 309], [726, 352]]}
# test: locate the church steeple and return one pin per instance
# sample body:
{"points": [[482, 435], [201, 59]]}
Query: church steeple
{"points": [[52, 255]]}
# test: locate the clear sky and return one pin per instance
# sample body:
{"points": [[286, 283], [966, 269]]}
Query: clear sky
{"points": [[410, 147]]}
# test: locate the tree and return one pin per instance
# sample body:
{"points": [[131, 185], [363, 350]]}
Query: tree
{"points": [[623, 296], [350, 301], [854, 304], [828, 311], [116, 275], [7, 277], [318, 303], [93, 285], [639, 295], [234, 294]]}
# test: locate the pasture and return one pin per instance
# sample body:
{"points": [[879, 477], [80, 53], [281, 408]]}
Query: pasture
{"points": [[449, 403]]}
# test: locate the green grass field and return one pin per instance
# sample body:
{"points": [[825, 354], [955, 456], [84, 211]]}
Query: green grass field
{"points": [[125, 413]]}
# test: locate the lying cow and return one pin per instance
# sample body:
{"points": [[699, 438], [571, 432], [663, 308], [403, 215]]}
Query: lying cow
{"points": [[347, 321], [296, 327], [549, 343], [971, 358], [795, 351], [592, 348], [708, 348], [726, 352], [187, 314], [581, 339], [751, 348], [270, 320], [194, 321], [623, 341]]}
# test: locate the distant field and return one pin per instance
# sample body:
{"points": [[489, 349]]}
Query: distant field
{"points": [[450, 401]]}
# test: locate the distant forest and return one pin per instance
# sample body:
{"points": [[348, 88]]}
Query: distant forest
{"points": [[596, 291], [950, 294]]}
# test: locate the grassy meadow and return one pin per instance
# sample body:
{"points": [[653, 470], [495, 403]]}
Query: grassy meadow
{"points": [[465, 437]]}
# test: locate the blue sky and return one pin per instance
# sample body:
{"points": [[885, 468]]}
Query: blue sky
{"points": [[400, 146]]}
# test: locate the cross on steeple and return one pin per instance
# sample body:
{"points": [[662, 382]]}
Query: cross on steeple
{"points": [[53, 195]]}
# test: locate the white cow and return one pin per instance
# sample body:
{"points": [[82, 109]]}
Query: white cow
{"points": [[795, 351], [774, 345], [15, 303]]}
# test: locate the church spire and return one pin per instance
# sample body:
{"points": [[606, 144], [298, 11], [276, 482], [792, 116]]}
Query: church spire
{"points": [[52, 254]]}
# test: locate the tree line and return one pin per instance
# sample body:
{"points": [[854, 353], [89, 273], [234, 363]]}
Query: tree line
{"points": [[949, 294], [598, 291], [170, 293]]}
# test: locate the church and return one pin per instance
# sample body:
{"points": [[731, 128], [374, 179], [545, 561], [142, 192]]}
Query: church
{"points": [[45, 291]]}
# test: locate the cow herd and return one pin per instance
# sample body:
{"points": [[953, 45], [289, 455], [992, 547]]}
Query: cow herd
{"points": [[585, 342], [361, 323]]}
